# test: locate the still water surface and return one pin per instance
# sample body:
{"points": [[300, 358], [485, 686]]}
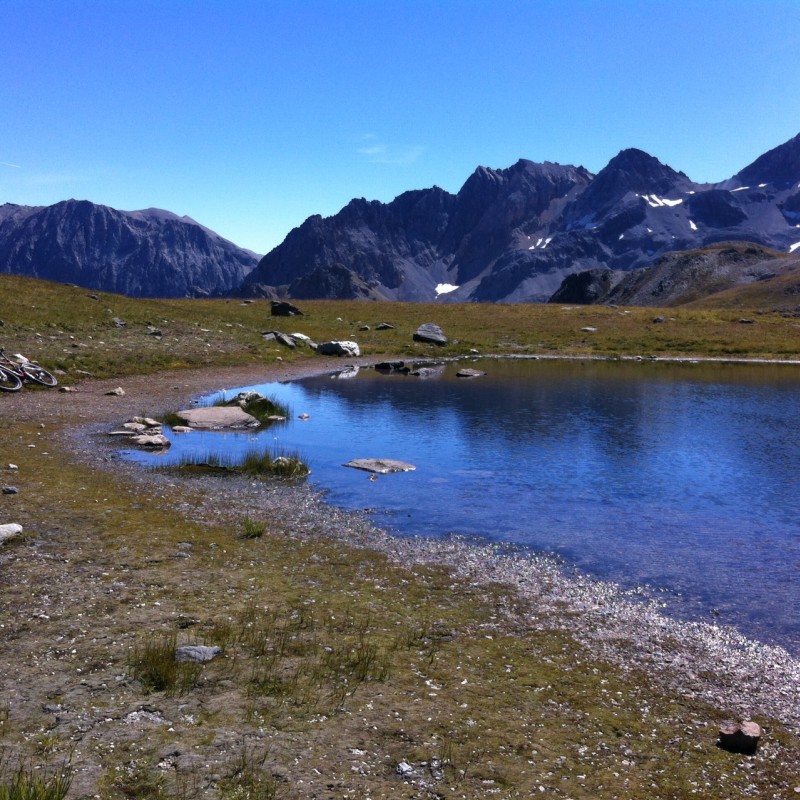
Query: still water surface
{"points": [[684, 478]]}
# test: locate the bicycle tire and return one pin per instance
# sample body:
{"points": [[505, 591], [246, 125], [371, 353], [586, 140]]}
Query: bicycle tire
{"points": [[9, 382], [39, 375]]}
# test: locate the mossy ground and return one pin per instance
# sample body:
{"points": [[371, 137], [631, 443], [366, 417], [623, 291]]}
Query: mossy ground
{"points": [[339, 666]]}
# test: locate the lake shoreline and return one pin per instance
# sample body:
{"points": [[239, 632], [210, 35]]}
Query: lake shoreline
{"points": [[739, 676], [694, 659]]}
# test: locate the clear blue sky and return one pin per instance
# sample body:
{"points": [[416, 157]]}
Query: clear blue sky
{"points": [[250, 116]]}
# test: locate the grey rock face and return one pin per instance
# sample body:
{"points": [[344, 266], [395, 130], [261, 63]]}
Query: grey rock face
{"points": [[149, 253], [678, 277], [513, 235]]}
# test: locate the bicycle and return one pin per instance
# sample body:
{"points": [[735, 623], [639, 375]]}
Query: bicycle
{"points": [[21, 370], [9, 381]]}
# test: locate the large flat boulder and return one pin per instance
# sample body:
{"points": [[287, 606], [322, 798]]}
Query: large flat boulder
{"points": [[382, 466], [217, 418]]}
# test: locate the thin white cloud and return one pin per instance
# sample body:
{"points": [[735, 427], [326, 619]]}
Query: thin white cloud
{"points": [[377, 152], [48, 179], [9, 164]]}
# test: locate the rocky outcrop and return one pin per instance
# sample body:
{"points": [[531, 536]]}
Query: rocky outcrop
{"points": [[678, 278], [149, 253], [590, 286]]}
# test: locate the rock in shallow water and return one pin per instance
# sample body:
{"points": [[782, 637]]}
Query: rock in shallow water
{"points": [[156, 441], [468, 372], [215, 417], [382, 466]]}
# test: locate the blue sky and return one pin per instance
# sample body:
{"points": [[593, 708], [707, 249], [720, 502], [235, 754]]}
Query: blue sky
{"points": [[251, 116]]}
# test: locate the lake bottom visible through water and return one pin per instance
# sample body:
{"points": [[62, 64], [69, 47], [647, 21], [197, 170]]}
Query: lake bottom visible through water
{"points": [[680, 477]]}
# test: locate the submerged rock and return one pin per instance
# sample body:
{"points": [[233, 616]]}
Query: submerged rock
{"points": [[427, 372], [468, 372], [392, 366]]}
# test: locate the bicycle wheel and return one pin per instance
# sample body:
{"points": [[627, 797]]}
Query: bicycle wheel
{"points": [[9, 382], [39, 374]]}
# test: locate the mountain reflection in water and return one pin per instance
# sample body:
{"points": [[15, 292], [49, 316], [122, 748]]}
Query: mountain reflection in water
{"points": [[683, 477]]}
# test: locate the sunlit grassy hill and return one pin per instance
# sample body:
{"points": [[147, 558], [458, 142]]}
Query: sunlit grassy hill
{"points": [[74, 329]]}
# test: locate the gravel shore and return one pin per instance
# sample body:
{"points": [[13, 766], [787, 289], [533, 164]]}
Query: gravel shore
{"points": [[699, 660]]}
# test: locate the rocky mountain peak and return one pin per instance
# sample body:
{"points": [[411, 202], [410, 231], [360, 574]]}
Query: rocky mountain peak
{"points": [[634, 170], [151, 253], [779, 167]]}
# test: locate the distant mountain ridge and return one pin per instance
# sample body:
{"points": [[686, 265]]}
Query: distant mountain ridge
{"points": [[148, 253], [683, 277], [513, 235]]}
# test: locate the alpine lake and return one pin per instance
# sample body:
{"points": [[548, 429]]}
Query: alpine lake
{"points": [[682, 480]]}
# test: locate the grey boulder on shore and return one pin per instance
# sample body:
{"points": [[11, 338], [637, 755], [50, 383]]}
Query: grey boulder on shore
{"points": [[339, 349], [429, 333]]}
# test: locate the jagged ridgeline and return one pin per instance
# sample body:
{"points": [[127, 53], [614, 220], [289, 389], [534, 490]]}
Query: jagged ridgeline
{"points": [[508, 235], [513, 235]]}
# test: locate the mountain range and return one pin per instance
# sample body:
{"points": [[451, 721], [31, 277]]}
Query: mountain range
{"points": [[687, 276], [149, 253], [508, 235], [513, 235]]}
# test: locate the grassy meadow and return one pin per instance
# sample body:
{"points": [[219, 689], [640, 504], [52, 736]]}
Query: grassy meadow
{"points": [[343, 674], [73, 329]]}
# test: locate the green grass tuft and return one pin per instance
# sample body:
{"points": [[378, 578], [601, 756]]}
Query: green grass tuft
{"points": [[253, 529], [153, 664], [255, 463], [28, 783]]}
